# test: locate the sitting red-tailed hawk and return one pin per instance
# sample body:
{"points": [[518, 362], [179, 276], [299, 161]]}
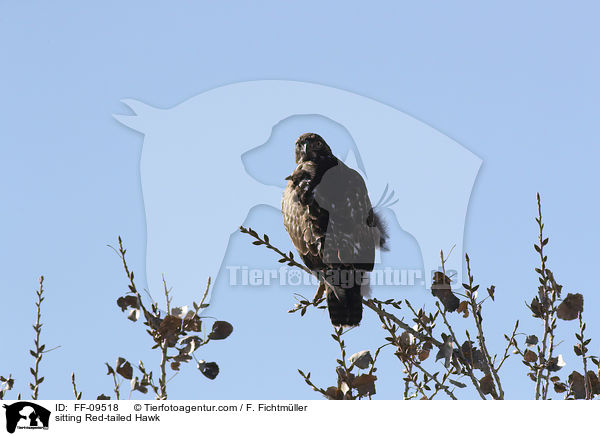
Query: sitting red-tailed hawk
{"points": [[329, 217]]}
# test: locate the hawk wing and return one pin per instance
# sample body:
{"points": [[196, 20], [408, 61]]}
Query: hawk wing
{"points": [[351, 233], [329, 218]]}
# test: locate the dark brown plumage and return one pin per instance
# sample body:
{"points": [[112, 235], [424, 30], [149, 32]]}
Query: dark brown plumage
{"points": [[329, 217]]}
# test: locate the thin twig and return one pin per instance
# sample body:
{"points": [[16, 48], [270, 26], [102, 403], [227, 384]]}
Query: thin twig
{"points": [[6, 385], [39, 348], [167, 292], [583, 350], [549, 294], [371, 304], [412, 377], [467, 365], [285, 258], [75, 392], [375, 356], [476, 309], [162, 381], [434, 378], [511, 341]]}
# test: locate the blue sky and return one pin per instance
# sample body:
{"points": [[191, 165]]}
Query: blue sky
{"points": [[514, 83]]}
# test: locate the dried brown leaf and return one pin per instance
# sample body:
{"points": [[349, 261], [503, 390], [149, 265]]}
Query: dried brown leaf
{"points": [[577, 385], [169, 329], [333, 393], [446, 296], [537, 308], [441, 289], [555, 363], [474, 357], [124, 368], [193, 324], [190, 344], [362, 359], [137, 386], [220, 330], [570, 307], [487, 384], [208, 369], [560, 387], [128, 301], [593, 382], [405, 339], [364, 384], [111, 371], [580, 350], [530, 356], [531, 340], [491, 290]]}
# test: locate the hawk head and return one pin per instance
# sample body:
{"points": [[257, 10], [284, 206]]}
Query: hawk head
{"points": [[311, 147]]}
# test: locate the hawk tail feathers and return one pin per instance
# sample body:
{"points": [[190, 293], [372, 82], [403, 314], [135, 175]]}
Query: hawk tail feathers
{"points": [[345, 305]]}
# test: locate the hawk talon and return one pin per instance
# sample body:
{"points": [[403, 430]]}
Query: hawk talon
{"points": [[319, 293]]}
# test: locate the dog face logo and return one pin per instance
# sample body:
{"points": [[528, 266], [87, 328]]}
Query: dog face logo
{"points": [[197, 188], [26, 415]]}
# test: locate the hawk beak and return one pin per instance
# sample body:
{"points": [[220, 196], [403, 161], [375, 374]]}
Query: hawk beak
{"points": [[288, 177]]}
